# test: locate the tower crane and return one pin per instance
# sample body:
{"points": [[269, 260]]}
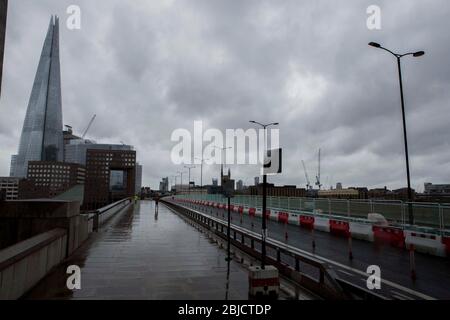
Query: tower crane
{"points": [[89, 126], [318, 174], [308, 183]]}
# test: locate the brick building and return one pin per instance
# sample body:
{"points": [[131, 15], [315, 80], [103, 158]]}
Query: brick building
{"points": [[47, 179], [110, 176]]}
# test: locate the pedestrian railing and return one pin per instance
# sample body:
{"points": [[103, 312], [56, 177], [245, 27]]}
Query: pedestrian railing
{"points": [[429, 215], [293, 263]]}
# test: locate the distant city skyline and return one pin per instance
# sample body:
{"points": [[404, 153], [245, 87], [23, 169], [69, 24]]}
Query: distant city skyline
{"points": [[317, 78]]}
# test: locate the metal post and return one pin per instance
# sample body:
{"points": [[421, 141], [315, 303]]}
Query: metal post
{"points": [[201, 175], [264, 227], [411, 216], [228, 231]]}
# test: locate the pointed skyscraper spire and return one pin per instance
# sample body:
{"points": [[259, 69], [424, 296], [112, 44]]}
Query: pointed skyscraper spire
{"points": [[41, 138]]}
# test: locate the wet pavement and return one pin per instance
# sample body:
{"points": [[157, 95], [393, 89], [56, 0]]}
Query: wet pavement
{"points": [[141, 255]]}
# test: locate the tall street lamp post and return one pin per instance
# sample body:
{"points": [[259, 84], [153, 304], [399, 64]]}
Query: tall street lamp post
{"points": [[189, 181], [201, 170], [264, 202], [181, 174], [398, 57]]}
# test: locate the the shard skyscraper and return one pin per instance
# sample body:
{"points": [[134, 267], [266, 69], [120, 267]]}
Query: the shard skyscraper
{"points": [[42, 138]]}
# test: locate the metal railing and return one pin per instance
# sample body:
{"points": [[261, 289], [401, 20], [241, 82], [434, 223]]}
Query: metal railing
{"points": [[306, 270], [435, 216]]}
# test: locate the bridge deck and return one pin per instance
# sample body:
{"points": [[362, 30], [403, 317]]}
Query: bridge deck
{"points": [[143, 256], [432, 272]]}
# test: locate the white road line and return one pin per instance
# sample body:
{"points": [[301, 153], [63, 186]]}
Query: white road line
{"points": [[398, 294], [345, 272], [286, 246]]}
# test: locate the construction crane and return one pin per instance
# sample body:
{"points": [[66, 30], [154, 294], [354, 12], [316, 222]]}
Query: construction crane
{"points": [[89, 126], [318, 174], [308, 183]]}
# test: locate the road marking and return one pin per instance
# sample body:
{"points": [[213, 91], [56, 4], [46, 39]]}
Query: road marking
{"points": [[347, 273], [286, 246], [401, 296]]}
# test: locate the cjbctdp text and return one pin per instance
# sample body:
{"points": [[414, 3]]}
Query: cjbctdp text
{"points": [[246, 309]]}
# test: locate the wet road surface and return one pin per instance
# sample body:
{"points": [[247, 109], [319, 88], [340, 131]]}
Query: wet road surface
{"points": [[433, 273], [140, 255]]}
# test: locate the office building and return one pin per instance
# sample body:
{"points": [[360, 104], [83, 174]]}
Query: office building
{"points": [[110, 176], [42, 138], [436, 189], [48, 179], [138, 179], [164, 185], [278, 191], [10, 187], [76, 150]]}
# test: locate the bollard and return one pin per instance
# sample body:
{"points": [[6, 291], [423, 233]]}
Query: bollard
{"points": [[285, 232], [313, 240], [350, 252], [412, 262]]}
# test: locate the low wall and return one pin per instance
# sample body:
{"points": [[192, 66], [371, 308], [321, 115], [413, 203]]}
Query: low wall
{"points": [[23, 219], [106, 213], [24, 264]]}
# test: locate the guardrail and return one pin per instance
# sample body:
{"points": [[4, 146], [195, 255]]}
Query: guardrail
{"points": [[100, 216], [307, 271], [428, 215]]}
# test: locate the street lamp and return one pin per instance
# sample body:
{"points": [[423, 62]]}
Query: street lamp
{"points": [[189, 182], [181, 173], [201, 169], [264, 204], [222, 156], [398, 57]]}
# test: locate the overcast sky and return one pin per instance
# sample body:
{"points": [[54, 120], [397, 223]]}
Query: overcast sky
{"points": [[147, 68]]}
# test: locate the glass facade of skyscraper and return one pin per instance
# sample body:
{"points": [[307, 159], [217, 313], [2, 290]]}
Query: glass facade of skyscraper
{"points": [[42, 138]]}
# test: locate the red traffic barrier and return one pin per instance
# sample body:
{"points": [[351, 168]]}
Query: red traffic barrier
{"points": [[446, 242], [268, 214], [307, 222], [252, 212], [391, 235], [283, 217], [340, 228], [231, 207], [241, 210]]}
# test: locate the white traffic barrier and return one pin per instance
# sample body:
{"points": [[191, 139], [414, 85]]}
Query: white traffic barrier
{"points": [[263, 282], [294, 219], [273, 215], [425, 242], [322, 224], [363, 231]]}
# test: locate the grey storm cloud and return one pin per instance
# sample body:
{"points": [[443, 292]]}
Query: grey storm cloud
{"points": [[147, 68]]}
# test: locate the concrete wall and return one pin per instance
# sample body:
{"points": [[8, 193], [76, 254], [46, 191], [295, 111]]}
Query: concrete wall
{"points": [[24, 264], [23, 219]]}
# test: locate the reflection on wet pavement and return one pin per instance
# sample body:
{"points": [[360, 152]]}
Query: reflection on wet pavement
{"points": [[147, 254]]}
